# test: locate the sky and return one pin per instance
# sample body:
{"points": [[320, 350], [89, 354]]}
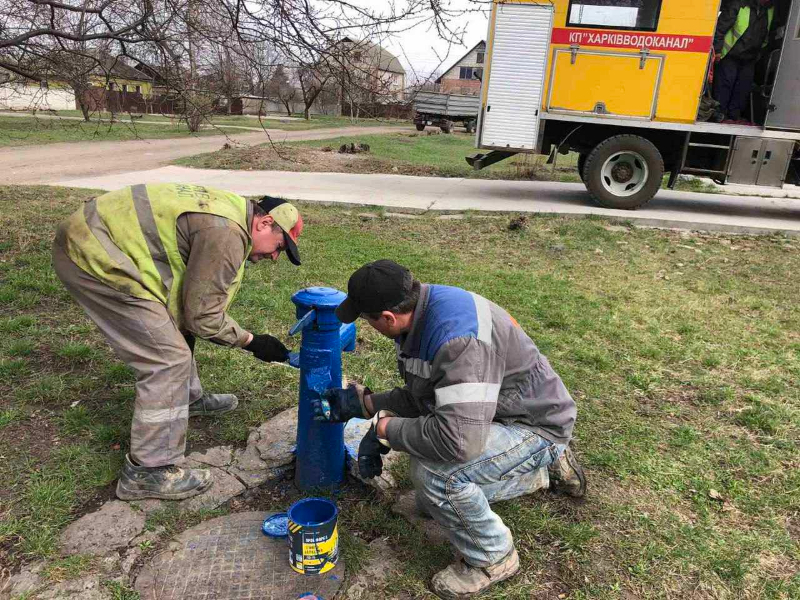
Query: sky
{"points": [[422, 49]]}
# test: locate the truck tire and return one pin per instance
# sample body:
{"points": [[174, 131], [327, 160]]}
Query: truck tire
{"points": [[581, 165], [624, 171], [469, 126], [446, 127], [420, 126]]}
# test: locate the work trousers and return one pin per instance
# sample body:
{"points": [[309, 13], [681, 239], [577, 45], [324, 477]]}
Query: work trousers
{"points": [[457, 495], [733, 82], [144, 336]]}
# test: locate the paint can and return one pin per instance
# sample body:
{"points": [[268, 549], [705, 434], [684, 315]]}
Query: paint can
{"points": [[313, 536]]}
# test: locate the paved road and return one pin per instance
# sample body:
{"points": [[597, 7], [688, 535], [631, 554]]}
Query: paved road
{"points": [[57, 162], [682, 210]]}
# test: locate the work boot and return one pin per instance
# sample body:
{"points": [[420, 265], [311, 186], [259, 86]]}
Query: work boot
{"points": [[213, 404], [461, 580], [566, 475], [165, 483]]}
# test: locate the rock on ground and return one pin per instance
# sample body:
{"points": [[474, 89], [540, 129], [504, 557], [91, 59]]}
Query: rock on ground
{"points": [[277, 438], [219, 456], [85, 588], [23, 582], [114, 525], [353, 432]]}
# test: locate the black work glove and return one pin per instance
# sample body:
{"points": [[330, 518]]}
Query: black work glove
{"points": [[370, 463], [268, 348], [339, 405]]}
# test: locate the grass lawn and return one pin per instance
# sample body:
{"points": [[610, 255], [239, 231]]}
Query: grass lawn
{"points": [[269, 121], [17, 131], [682, 351], [436, 155], [20, 131]]}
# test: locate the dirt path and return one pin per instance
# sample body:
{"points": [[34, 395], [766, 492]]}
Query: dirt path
{"points": [[57, 162]]}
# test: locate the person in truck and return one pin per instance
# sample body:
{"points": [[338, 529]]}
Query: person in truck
{"points": [[743, 31]]}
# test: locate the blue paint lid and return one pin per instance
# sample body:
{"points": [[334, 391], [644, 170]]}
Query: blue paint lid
{"points": [[276, 525]]}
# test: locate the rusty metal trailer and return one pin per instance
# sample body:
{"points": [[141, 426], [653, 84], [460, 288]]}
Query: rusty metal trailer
{"points": [[443, 110]]}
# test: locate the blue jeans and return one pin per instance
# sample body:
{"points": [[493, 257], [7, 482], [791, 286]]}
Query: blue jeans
{"points": [[457, 495]]}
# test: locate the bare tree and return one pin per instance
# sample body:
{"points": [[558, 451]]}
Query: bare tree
{"points": [[181, 38], [312, 81], [280, 89]]}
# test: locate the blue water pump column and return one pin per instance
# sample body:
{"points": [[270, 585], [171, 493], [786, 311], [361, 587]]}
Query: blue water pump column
{"points": [[320, 446]]}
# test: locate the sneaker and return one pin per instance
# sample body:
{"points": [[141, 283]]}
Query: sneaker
{"points": [[213, 404], [165, 483], [566, 475], [462, 580]]}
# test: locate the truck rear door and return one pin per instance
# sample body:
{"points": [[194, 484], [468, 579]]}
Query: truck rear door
{"points": [[786, 91], [517, 66]]}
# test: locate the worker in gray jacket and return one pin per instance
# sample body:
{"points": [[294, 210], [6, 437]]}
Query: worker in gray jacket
{"points": [[482, 414]]}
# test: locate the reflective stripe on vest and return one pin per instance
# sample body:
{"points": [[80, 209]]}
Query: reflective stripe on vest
{"points": [[740, 26], [128, 238]]}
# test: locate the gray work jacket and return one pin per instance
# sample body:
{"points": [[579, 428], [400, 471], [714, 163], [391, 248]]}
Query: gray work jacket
{"points": [[466, 363]]}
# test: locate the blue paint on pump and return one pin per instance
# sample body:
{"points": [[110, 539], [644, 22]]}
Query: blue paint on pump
{"points": [[320, 446]]}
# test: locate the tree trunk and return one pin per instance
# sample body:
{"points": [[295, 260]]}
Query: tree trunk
{"points": [[288, 108], [84, 104], [306, 114]]}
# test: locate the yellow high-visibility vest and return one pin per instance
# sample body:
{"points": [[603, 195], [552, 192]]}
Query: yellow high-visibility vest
{"points": [[128, 240], [740, 26]]}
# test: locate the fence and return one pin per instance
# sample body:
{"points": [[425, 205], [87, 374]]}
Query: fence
{"points": [[115, 101], [377, 110]]}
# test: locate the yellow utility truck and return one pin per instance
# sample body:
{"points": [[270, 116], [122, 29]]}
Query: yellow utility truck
{"points": [[622, 82]]}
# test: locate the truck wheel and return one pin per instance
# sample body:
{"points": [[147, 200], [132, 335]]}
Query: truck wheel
{"points": [[624, 171], [420, 126], [581, 165], [469, 126], [446, 126]]}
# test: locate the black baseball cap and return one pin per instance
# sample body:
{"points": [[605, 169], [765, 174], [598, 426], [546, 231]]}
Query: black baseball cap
{"points": [[375, 287], [288, 218]]}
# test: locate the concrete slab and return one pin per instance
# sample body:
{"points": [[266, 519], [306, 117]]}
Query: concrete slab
{"points": [[682, 210], [228, 558]]}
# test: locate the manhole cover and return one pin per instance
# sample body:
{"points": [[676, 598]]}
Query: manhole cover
{"points": [[228, 558]]}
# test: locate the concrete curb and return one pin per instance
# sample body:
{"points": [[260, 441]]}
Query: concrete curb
{"points": [[669, 209]]}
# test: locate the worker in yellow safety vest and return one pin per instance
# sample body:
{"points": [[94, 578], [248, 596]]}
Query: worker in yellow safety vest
{"points": [[742, 32], [155, 266]]}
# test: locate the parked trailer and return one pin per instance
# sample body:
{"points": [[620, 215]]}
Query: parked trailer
{"points": [[443, 110], [620, 83]]}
